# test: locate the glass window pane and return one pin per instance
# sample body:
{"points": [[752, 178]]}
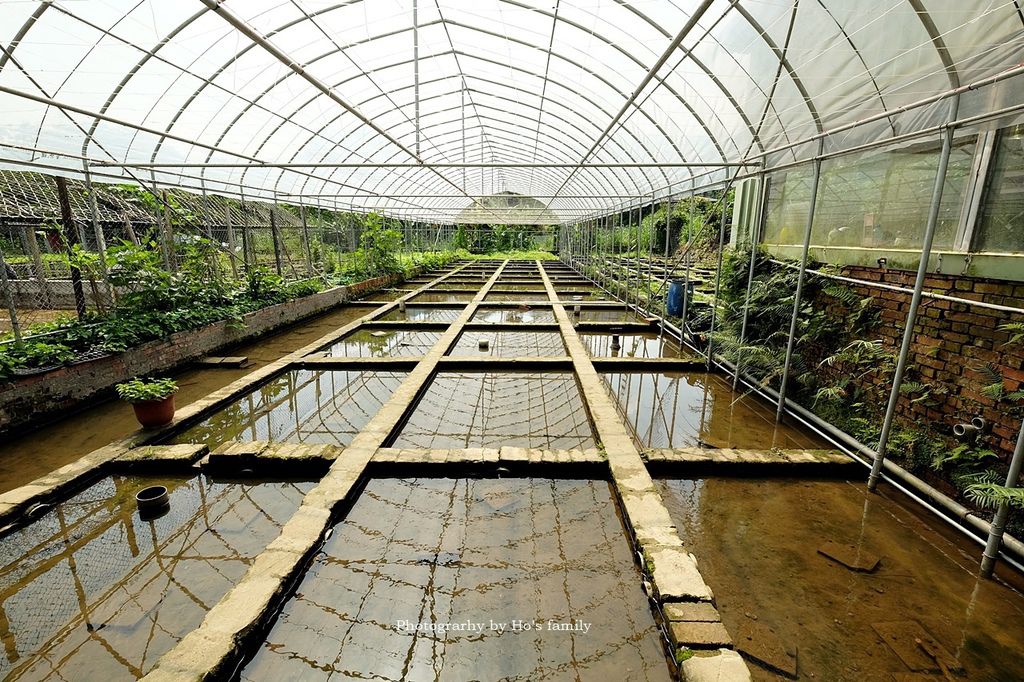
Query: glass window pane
{"points": [[1001, 223], [789, 196], [878, 198], [881, 198]]}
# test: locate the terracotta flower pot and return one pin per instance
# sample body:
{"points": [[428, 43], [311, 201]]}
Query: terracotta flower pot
{"points": [[153, 414]]}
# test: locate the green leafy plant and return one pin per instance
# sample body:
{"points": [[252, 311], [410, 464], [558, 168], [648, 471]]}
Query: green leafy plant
{"points": [[140, 390], [994, 384], [992, 379], [35, 354], [964, 455], [1016, 331], [990, 495]]}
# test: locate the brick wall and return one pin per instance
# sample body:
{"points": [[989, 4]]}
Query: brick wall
{"points": [[35, 399], [952, 341]]}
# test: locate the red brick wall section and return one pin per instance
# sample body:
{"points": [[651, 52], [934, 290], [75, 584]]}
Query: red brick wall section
{"points": [[952, 341], [34, 399]]}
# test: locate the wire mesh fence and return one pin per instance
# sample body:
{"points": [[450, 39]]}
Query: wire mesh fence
{"points": [[63, 252]]}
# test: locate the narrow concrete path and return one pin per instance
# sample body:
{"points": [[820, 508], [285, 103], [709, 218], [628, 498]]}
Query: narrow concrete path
{"points": [[673, 571], [211, 649]]}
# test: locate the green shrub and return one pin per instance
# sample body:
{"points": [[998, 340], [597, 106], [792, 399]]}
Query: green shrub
{"points": [[152, 304], [139, 390], [36, 354]]}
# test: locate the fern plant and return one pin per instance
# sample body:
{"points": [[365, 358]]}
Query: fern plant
{"points": [[994, 385], [1016, 331], [991, 495], [961, 457]]}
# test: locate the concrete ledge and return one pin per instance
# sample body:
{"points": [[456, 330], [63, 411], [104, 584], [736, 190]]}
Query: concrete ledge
{"points": [[160, 458], [319, 361], [511, 326], [721, 666], [264, 457], [504, 455], [673, 572], [699, 635], [692, 612], [455, 363], [599, 327], [505, 461], [739, 462], [628, 364], [675, 575]]}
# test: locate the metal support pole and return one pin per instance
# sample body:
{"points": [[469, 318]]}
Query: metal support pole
{"points": [[305, 239], [416, 68], [70, 240], [647, 253], [639, 229], [207, 223], [97, 229], [462, 118], [37, 263], [718, 280], [686, 268], [755, 233], [9, 297], [995, 535], [245, 236], [232, 245], [208, 229], [915, 302], [791, 342], [275, 240], [167, 231]]}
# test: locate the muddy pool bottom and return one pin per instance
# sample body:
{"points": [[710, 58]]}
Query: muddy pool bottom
{"points": [[92, 591], [757, 546], [458, 579]]}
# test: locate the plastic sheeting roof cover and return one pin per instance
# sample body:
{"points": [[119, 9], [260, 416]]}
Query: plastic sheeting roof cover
{"points": [[475, 81]]}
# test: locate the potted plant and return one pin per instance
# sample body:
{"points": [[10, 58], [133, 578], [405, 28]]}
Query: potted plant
{"points": [[152, 400]]}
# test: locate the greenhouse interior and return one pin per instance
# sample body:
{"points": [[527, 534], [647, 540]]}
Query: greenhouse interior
{"points": [[512, 340]]}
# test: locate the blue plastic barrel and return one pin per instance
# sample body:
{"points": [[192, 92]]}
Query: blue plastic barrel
{"points": [[674, 304]]}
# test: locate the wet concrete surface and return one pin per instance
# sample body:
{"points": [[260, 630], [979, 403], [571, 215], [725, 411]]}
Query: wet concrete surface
{"points": [[387, 295], [517, 286], [300, 406], [535, 551], [605, 314], [756, 543], [517, 314], [494, 409], [592, 295], [695, 409], [442, 297], [521, 295], [37, 453], [414, 314], [509, 344], [384, 343], [642, 345], [91, 591], [456, 285]]}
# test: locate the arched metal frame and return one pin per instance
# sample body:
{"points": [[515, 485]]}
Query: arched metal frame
{"points": [[425, 80]]}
